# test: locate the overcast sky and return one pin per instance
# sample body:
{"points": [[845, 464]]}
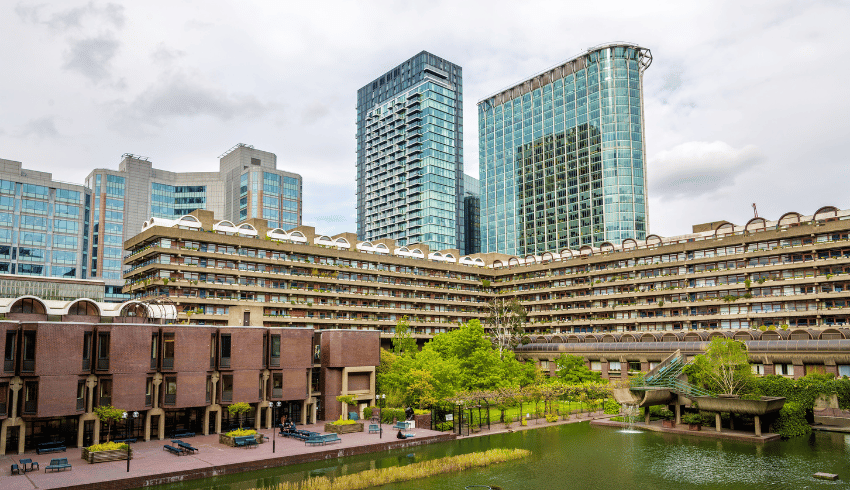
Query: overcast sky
{"points": [[745, 101]]}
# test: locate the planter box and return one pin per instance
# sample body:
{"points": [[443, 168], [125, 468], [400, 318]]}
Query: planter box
{"points": [[737, 405], [103, 456], [344, 429], [694, 427], [228, 441], [668, 424]]}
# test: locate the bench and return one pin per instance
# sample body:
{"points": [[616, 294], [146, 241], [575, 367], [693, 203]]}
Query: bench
{"points": [[184, 446], [400, 426], [16, 470], [58, 464], [180, 435], [50, 447], [245, 441], [126, 441], [172, 449], [322, 439], [373, 428]]}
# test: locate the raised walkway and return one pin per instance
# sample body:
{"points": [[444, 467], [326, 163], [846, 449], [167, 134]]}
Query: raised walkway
{"points": [[151, 465], [705, 432]]}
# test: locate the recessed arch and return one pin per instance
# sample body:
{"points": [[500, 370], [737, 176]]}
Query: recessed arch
{"points": [[498, 264], [653, 240], [84, 307], [825, 212], [297, 234], [724, 229], [831, 334], [449, 256], [135, 309], [547, 257], [28, 305], [513, 261], [672, 337], [755, 224], [530, 259], [566, 253], [789, 218], [629, 337], [696, 336], [630, 244], [802, 334], [744, 335], [224, 223], [650, 337], [342, 241], [188, 217], [606, 247], [585, 251]]}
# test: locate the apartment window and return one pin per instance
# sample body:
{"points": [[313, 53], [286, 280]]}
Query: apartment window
{"points": [[784, 369], [275, 350], [170, 390], [31, 397], [11, 347], [315, 384], [227, 388], [4, 393], [103, 351], [634, 366], [87, 336], [212, 351], [277, 385], [209, 390], [595, 366], [154, 349], [104, 392], [28, 352], [168, 351], [261, 387], [149, 392], [757, 369], [81, 395], [224, 359], [614, 366]]}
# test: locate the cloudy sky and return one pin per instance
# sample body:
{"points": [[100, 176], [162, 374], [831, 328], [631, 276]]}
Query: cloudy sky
{"points": [[744, 101]]}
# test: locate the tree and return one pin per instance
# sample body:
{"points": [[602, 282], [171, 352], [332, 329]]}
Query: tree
{"points": [[238, 410], [573, 370], [403, 341], [505, 319], [347, 401], [108, 414], [724, 366]]}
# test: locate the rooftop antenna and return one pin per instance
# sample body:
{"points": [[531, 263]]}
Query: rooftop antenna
{"points": [[755, 211]]}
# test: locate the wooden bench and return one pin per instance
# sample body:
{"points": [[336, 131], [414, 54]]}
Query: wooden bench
{"points": [[373, 428], [172, 449], [180, 435], [16, 470], [245, 441], [58, 464], [50, 447], [126, 441]]}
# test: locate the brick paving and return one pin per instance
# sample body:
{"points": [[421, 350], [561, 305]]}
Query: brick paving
{"points": [[151, 464]]}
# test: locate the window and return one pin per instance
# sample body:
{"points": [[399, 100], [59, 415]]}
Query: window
{"points": [[170, 390], [168, 351], [81, 395], [784, 369], [103, 351], [9, 357], [275, 350], [28, 352], [104, 392], [595, 366], [224, 360], [149, 392], [31, 397], [614, 366], [212, 351], [154, 349], [209, 390], [87, 336], [227, 388], [277, 385]]}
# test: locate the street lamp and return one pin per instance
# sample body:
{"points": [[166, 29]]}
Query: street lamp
{"points": [[129, 420], [274, 426], [380, 401]]}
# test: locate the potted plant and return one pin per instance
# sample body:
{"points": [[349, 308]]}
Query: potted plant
{"points": [[694, 421], [667, 418]]}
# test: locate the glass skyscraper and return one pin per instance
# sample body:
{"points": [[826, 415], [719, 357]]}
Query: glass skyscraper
{"points": [[472, 214], [561, 155], [410, 155]]}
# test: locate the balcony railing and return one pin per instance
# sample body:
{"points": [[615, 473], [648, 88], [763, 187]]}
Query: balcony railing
{"points": [[227, 396], [81, 404], [168, 363], [30, 407], [28, 366], [170, 399], [103, 364], [224, 362], [9, 365]]}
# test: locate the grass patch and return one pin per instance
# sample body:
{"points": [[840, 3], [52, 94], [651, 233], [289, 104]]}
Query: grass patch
{"points": [[384, 476]]}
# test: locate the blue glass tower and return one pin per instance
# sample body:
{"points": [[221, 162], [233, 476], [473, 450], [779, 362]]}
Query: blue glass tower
{"points": [[561, 155], [410, 155]]}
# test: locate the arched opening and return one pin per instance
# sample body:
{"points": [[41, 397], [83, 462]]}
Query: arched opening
{"points": [[630, 244], [825, 213], [29, 306], [134, 309], [84, 308], [605, 247], [755, 224], [653, 240], [789, 219], [724, 229], [585, 251]]}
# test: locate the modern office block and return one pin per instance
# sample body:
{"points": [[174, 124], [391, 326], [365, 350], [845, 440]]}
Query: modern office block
{"points": [[246, 185], [562, 155], [43, 224], [472, 214], [410, 155]]}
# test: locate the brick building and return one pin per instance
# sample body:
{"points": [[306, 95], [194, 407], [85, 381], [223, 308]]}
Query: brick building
{"points": [[63, 358]]}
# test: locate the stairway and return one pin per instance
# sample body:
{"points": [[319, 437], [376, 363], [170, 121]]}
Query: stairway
{"points": [[667, 375]]}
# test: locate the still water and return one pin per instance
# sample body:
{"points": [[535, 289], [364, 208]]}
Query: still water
{"points": [[578, 457]]}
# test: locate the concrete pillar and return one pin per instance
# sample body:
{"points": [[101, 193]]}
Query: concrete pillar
{"points": [[269, 418], [258, 416], [304, 406], [162, 426], [717, 421], [22, 433], [757, 422], [218, 421], [678, 413], [646, 415]]}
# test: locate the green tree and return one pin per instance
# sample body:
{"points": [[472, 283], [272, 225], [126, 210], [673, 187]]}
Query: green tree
{"points": [[403, 341], [505, 318], [238, 410], [573, 370], [108, 414], [724, 367]]}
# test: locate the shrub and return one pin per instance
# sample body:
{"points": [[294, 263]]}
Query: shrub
{"points": [[445, 426], [508, 419], [367, 412], [343, 422], [107, 446], [551, 417], [666, 414], [524, 422], [692, 419], [241, 433], [388, 414], [611, 407], [792, 421]]}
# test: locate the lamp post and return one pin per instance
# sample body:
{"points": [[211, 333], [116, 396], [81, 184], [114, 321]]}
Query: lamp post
{"points": [[274, 426], [129, 420], [380, 401]]}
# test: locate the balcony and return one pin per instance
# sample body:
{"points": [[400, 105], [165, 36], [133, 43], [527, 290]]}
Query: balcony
{"points": [[28, 366], [103, 364], [227, 396], [170, 399], [30, 407], [9, 365], [225, 363], [167, 363], [81, 404]]}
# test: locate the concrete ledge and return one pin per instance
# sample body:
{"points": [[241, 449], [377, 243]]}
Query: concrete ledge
{"points": [[708, 432]]}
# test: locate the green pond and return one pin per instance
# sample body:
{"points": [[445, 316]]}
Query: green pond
{"points": [[578, 456]]}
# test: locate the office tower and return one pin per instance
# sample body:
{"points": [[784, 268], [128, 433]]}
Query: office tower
{"points": [[472, 214], [562, 155], [43, 224], [246, 185], [410, 155]]}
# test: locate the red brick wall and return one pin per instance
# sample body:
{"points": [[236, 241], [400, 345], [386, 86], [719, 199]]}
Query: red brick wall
{"points": [[351, 348], [130, 348], [191, 348], [246, 346], [294, 384], [59, 349], [128, 391], [191, 390], [246, 386], [295, 347], [332, 386], [358, 381], [57, 395]]}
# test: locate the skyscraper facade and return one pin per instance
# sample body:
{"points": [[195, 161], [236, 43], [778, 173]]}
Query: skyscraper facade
{"points": [[410, 155], [247, 185], [472, 214], [561, 155], [43, 224]]}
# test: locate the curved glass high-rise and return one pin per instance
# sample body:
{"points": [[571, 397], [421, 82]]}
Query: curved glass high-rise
{"points": [[561, 155]]}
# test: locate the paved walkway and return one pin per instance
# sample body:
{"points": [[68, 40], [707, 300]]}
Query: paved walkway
{"points": [[151, 464], [707, 432]]}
